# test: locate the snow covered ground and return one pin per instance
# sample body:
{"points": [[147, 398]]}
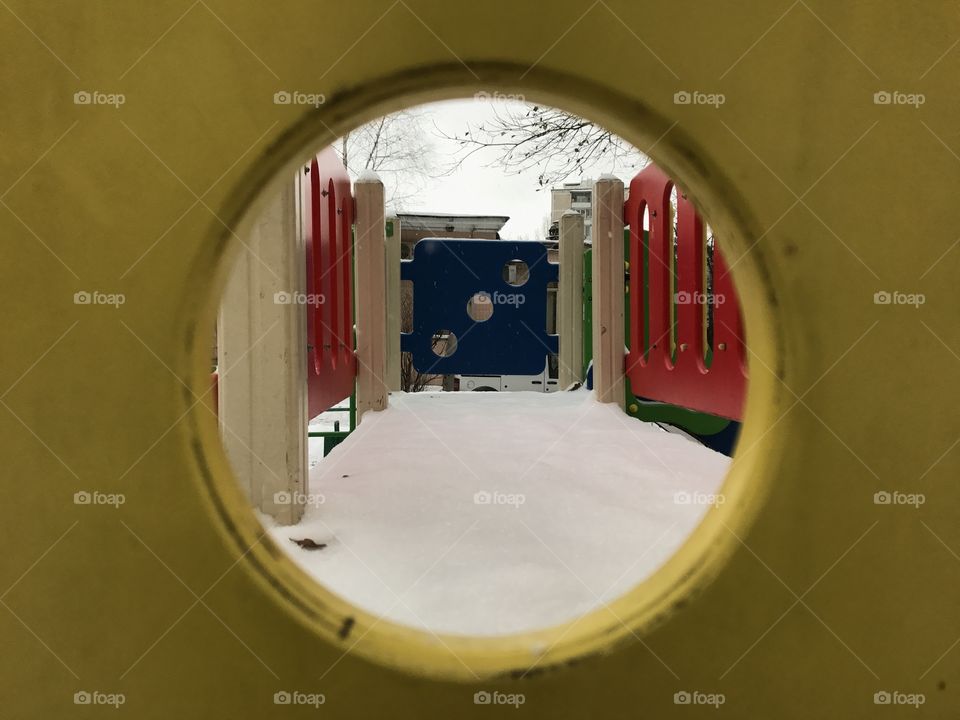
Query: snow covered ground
{"points": [[497, 513], [326, 422]]}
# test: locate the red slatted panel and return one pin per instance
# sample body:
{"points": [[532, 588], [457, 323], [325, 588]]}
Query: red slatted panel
{"points": [[719, 389], [328, 221]]}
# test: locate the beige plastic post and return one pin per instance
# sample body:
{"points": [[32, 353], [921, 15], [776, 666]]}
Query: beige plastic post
{"points": [[261, 358], [608, 289], [570, 299], [370, 293], [393, 304]]}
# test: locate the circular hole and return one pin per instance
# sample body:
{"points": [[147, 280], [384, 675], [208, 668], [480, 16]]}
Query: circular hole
{"points": [[443, 343], [638, 601], [515, 273], [480, 307]]}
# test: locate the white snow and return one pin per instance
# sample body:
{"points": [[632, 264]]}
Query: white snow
{"points": [[367, 176], [325, 422], [497, 513]]}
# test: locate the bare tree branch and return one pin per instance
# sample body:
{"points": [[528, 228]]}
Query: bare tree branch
{"points": [[398, 148], [556, 144]]}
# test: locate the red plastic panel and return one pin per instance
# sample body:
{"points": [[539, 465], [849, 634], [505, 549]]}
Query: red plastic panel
{"points": [[653, 374], [327, 207]]}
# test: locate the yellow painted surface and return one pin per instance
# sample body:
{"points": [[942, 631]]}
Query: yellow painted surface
{"points": [[800, 597]]}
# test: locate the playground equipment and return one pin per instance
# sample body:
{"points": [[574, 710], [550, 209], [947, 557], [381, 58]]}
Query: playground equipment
{"points": [[798, 581], [327, 206], [669, 359], [508, 279], [327, 202], [671, 374]]}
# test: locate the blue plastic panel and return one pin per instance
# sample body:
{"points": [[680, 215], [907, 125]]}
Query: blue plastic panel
{"points": [[446, 273]]}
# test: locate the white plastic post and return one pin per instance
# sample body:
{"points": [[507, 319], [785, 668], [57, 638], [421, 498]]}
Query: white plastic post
{"points": [[608, 289], [261, 349], [393, 304], [370, 293], [570, 299]]}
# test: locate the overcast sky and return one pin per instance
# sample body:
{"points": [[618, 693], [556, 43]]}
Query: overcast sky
{"points": [[480, 186]]}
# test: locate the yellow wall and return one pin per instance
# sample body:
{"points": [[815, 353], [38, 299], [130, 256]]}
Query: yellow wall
{"points": [[799, 598]]}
